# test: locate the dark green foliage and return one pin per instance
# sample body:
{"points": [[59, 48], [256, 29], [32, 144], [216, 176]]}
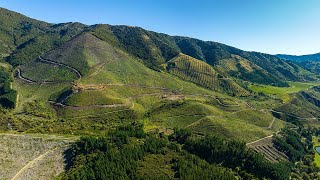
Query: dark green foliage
{"points": [[180, 135], [62, 97], [101, 158], [234, 154], [28, 38], [88, 145], [133, 130], [8, 96], [290, 144], [4, 77], [210, 52], [155, 145], [120, 136], [194, 168], [9, 99], [153, 48], [51, 38], [303, 58], [312, 66], [29, 51], [259, 77], [96, 159]]}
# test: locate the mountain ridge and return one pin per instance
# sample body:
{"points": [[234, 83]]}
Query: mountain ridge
{"points": [[157, 48]]}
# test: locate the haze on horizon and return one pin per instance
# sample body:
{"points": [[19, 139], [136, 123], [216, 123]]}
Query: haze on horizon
{"points": [[273, 26]]}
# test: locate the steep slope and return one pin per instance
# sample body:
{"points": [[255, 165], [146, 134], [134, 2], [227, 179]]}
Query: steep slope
{"points": [[156, 49], [239, 67], [82, 53], [23, 39], [310, 62], [15, 29], [213, 53], [201, 73], [312, 66], [115, 87], [303, 107]]}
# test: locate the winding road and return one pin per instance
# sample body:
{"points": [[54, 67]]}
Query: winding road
{"points": [[30, 81], [61, 64]]}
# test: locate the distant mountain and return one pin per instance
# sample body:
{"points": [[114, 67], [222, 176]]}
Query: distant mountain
{"points": [[310, 57], [24, 39], [310, 62]]}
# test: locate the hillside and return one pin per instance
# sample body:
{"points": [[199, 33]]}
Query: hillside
{"points": [[23, 38], [152, 48], [302, 58], [310, 62], [149, 105], [201, 73], [156, 49]]}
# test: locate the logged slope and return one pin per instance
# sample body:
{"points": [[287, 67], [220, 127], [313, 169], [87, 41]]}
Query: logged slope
{"points": [[82, 53], [201, 73]]}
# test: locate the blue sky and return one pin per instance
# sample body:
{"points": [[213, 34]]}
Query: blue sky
{"points": [[270, 26]]}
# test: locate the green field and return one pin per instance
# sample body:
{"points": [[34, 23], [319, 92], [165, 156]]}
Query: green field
{"points": [[282, 93]]}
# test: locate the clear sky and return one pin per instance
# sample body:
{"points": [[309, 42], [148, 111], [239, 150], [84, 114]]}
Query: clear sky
{"points": [[270, 26]]}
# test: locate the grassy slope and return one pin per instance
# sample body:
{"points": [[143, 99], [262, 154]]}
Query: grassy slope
{"points": [[106, 64], [38, 71]]}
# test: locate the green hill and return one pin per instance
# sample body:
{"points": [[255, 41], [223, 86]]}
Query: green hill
{"points": [[201, 73], [174, 98], [154, 49]]}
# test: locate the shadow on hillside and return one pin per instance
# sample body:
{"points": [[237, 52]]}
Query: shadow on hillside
{"points": [[67, 158]]}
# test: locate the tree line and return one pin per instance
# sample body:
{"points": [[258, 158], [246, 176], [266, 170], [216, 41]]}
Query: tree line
{"points": [[117, 156]]}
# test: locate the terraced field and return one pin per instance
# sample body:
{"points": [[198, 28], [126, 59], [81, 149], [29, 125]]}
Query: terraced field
{"points": [[199, 72], [265, 147]]}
